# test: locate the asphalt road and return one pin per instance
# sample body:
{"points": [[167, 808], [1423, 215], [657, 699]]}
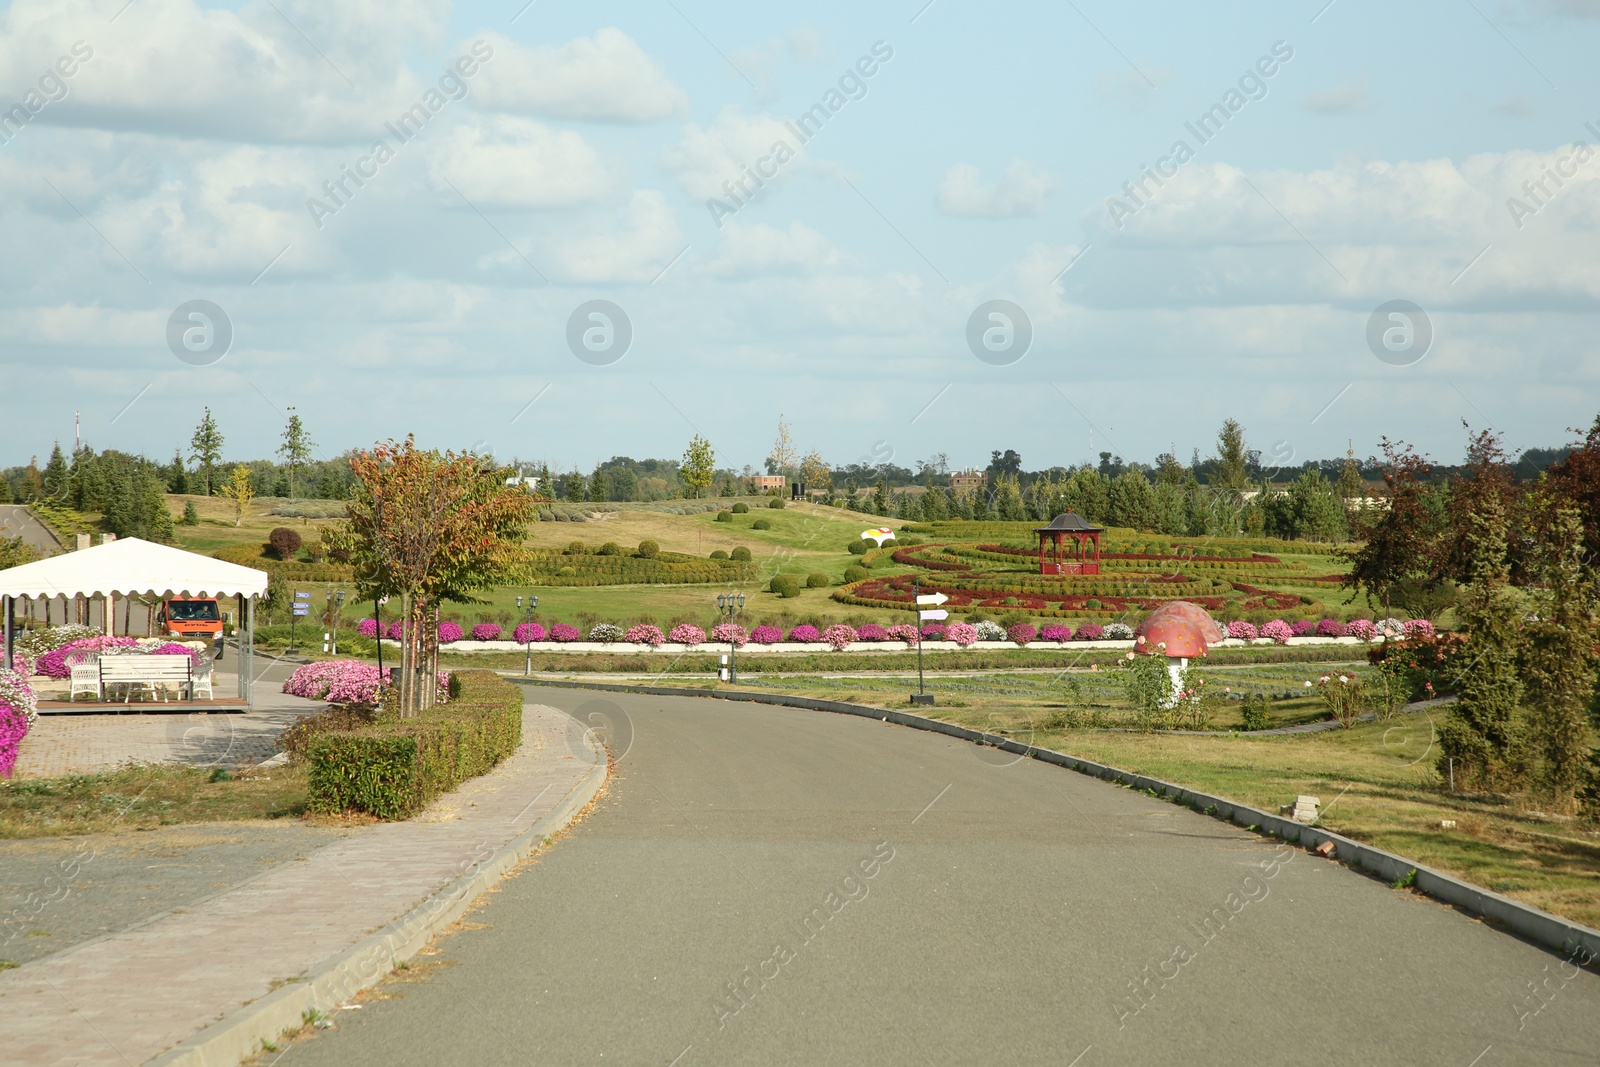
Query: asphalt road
{"points": [[17, 521], [768, 885]]}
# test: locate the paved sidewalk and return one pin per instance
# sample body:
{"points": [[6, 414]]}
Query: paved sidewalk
{"points": [[129, 996]]}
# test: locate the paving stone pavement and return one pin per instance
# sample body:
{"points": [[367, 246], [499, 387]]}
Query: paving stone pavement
{"points": [[127, 997]]}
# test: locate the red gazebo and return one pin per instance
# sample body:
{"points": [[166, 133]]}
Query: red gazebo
{"points": [[1082, 533]]}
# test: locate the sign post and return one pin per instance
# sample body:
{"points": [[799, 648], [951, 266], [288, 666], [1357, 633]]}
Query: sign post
{"points": [[930, 613], [302, 606]]}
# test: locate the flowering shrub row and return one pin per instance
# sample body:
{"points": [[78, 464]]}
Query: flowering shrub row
{"points": [[54, 663], [347, 681], [18, 710]]}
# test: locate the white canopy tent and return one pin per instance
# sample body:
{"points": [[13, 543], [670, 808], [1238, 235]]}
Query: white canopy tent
{"points": [[132, 567]]}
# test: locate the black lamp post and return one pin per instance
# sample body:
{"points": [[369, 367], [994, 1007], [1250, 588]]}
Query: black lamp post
{"points": [[338, 608], [526, 614], [730, 604]]}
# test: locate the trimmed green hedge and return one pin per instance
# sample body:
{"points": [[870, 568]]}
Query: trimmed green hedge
{"points": [[393, 768], [255, 555]]}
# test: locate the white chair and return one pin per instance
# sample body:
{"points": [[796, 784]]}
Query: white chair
{"points": [[85, 679], [200, 680]]}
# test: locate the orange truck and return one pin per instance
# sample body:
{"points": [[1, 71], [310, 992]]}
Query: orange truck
{"points": [[191, 619]]}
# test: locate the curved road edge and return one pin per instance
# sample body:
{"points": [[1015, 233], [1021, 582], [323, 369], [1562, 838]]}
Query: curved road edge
{"points": [[1532, 924], [338, 979]]}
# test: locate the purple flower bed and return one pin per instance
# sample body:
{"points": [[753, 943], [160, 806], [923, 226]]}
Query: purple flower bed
{"points": [[645, 634], [1362, 628], [1330, 628], [565, 631], [528, 632], [450, 631], [1055, 631], [486, 631], [346, 681], [1244, 631], [1089, 632], [766, 635], [172, 648], [1303, 628], [804, 632], [53, 664], [687, 634], [1022, 633], [933, 631], [872, 632], [904, 631], [13, 728], [395, 631], [367, 627]]}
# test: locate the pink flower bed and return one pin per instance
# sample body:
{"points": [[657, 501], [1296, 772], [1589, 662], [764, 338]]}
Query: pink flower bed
{"points": [[645, 634], [486, 631], [1244, 631], [367, 627], [1362, 628], [394, 631], [1303, 628], [839, 635], [1055, 632], [903, 631], [450, 631], [19, 707], [687, 634], [171, 648], [53, 664], [1330, 628], [346, 681], [724, 633], [1278, 630], [1089, 632], [872, 632], [1022, 633], [528, 632], [804, 632], [766, 635], [1419, 628], [963, 634], [933, 631], [565, 631]]}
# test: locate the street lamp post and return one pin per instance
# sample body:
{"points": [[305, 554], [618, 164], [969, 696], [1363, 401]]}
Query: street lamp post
{"points": [[730, 604], [338, 608], [526, 614]]}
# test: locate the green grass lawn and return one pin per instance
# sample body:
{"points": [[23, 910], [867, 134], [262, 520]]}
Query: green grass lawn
{"points": [[139, 798]]}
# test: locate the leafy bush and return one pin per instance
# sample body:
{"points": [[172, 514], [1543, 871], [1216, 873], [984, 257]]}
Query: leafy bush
{"points": [[724, 633], [576, 548], [565, 631], [486, 631], [449, 631], [1022, 633], [761, 524], [838, 636], [740, 554], [776, 503], [766, 635], [785, 586], [305, 509], [285, 542], [803, 633], [528, 632], [818, 581], [687, 634], [605, 632], [645, 634], [1255, 713], [1055, 632], [717, 553], [857, 547], [648, 550], [856, 574], [990, 631], [392, 769], [724, 516], [741, 508], [1091, 605]]}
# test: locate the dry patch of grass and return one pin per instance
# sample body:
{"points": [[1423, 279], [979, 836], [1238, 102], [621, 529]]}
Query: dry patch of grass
{"points": [[141, 798]]}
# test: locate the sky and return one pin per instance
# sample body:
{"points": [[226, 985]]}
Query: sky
{"points": [[1059, 228]]}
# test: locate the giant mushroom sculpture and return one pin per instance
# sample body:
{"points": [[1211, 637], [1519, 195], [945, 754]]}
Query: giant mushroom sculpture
{"points": [[1175, 631], [1210, 629]]}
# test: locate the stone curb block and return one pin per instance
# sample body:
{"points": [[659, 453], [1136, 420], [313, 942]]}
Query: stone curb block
{"points": [[1532, 924], [338, 979]]}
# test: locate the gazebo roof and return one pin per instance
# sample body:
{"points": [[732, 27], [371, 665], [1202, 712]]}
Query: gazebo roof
{"points": [[1071, 522], [131, 566]]}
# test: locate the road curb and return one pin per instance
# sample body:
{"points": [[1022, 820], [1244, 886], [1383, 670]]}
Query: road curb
{"points": [[338, 979], [1539, 927]]}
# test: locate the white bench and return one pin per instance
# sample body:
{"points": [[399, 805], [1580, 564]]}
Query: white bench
{"points": [[146, 674]]}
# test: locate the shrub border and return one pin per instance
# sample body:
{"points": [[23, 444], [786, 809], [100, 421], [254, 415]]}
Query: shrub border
{"points": [[1525, 921]]}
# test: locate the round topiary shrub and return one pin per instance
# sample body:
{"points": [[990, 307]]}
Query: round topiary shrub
{"points": [[649, 550], [284, 541], [576, 548], [567, 572], [761, 524], [610, 548], [486, 631], [724, 516], [785, 586], [857, 547], [855, 574], [818, 581], [741, 509], [776, 503], [717, 553], [740, 555], [1092, 605]]}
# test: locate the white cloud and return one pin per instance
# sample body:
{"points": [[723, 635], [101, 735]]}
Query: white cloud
{"points": [[508, 162], [1347, 99], [748, 251], [604, 78], [706, 158], [1132, 88], [630, 246], [1024, 190]]}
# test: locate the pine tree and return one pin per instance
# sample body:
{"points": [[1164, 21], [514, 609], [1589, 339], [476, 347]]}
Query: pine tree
{"points": [[295, 451], [1231, 467], [205, 448], [56, 481], [1559, 659]]}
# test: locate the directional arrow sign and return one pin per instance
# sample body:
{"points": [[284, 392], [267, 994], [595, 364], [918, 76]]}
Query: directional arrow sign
{"points": [[932, 598], [933, 615]]}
